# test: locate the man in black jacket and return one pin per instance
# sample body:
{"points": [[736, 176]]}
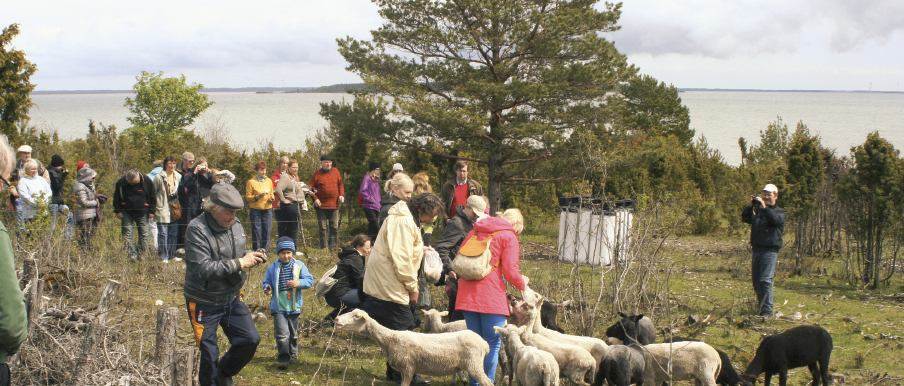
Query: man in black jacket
{"points": [[216, 266], [767, 224], [58, 173], [134, 202], [450, 240]]}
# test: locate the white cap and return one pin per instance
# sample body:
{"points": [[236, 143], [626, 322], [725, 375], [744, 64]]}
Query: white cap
{"points": [[770, 188], [478, 205], [398, 166], [24, 149]]}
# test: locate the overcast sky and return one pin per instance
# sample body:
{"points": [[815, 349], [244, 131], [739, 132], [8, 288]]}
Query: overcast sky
{"points": [[762, 44]]}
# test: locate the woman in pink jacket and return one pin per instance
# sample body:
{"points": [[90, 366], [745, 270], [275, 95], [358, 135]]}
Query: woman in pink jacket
{"points": [[483, 302]]}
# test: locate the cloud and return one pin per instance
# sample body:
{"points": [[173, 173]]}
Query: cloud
{"points": [[860, 23], [749, 28], [111, 39]]}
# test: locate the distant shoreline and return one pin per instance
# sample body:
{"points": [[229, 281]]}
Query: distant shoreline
{"points": [[345, 88]]}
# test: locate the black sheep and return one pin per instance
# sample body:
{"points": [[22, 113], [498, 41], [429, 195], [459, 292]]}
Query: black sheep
{"points": [[633, 329], [622, 366], [548, 312], [728, 376], [800, 346]]}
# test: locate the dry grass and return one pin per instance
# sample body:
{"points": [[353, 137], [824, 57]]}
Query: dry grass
{"points": [[699, 276]]}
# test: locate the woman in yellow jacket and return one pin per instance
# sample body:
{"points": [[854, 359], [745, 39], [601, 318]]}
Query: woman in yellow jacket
{"points": [[390, 276], [259, 193]]}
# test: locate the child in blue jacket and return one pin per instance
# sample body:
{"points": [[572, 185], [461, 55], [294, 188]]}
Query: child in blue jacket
{"points": [[283, 282]]}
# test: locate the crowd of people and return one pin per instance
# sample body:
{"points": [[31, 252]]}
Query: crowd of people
{"points": [[184, 207]]}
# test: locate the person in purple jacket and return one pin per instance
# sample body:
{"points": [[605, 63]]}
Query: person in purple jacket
{"points": [[370, 198]]}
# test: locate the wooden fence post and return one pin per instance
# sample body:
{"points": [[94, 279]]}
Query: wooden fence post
{"points": [[103, 308], [183, 368], [29, 271], [165, 353]]}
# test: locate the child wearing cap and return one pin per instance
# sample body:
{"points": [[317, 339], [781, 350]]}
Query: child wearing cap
{"points": [[283, 282]]}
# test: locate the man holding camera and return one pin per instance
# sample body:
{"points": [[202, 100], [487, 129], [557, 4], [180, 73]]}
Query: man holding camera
{"points": [[767, 224], [215, 271]]}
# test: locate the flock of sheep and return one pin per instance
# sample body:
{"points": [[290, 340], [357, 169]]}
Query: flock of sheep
{"points": [[533, 354]]}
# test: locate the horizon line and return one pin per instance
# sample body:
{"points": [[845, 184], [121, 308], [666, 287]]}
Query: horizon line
{"points": [[314, 89]]}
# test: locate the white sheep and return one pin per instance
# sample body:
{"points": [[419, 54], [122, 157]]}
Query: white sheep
{"points": [[411, 352], [529, 314], [690, 360], [575, 363], [533, 367], [433, 322]]}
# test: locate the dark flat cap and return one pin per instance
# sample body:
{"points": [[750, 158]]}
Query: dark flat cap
{"points": [[227, 196], [326, 157]]}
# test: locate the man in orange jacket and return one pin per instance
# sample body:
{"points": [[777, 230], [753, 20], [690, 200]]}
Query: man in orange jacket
{"points": [[326, 183]]}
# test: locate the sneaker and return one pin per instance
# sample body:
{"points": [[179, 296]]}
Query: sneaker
{"points": [[165, 261], [177, 259], [282, 361], [180, 251], [299, 253]]}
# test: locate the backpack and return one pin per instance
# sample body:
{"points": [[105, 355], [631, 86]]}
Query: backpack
{"points": [[473, 259], [326, 282]]}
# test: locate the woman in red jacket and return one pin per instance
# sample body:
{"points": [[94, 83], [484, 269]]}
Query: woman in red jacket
{"points": [[483, 302]]}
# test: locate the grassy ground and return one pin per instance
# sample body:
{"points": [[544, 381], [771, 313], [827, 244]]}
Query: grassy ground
{"points": [[708, 276]]}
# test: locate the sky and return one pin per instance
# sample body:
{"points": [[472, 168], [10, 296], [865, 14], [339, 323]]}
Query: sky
{"points": [[750, 44]]}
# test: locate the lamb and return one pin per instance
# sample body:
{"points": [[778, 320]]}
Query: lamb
{"points": [[532, 366], [800, 346], [690, 360], [411, 352], [548, 315], [622, 366], [525, 313], [637, 327], [575, 363], [433, 322], [728, 376]]}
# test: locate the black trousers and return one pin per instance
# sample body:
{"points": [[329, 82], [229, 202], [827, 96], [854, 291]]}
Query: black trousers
{"points": [[394, 316], [4, 375], [235, 320], [373, 223], [288, 221]]}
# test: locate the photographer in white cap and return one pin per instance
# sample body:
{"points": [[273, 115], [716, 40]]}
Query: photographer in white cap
{"points": [[767, 224]]}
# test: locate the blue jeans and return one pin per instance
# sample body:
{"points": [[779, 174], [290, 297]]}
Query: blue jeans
{"points": [[261, 221], [166, 240], [129, 223], [235, 320], [762, 272], [483, 325], [285, 331]]}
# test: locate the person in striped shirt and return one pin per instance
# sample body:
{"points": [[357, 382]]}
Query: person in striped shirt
{"points": [[283, 282]]}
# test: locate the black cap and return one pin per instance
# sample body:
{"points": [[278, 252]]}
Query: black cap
{"points": [[227, 196], [56, 160], [373, 165], [326, 157]]}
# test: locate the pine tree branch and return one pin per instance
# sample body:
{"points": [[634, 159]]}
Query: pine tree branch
{"points": [[423, 149]]}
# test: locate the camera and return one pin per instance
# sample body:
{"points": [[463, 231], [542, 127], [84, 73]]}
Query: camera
{"points": [[754, 200]]}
